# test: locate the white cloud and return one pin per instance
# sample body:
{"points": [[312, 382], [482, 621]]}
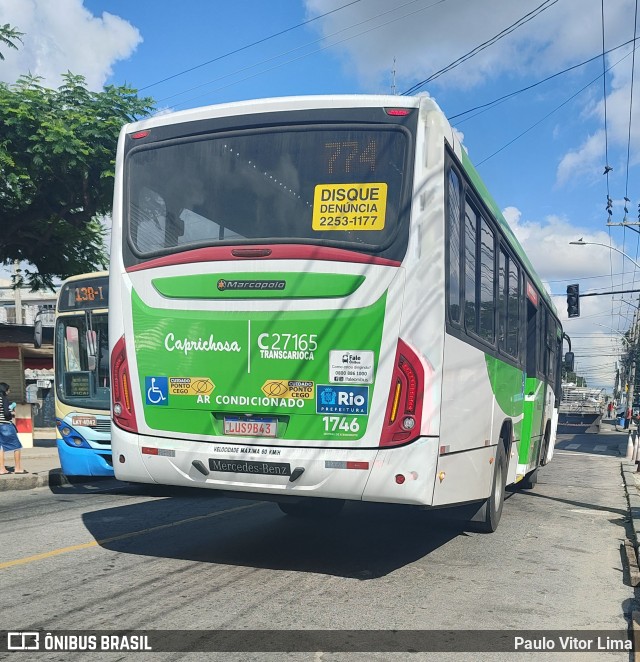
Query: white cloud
{"points": [[585, 161], [435, 34], [64, 36], [622, 128]]}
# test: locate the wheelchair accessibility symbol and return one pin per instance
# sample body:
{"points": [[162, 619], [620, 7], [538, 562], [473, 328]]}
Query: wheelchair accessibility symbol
{"points": [[156, 389]]}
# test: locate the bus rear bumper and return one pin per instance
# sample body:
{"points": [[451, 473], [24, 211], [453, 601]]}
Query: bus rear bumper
{"points": [[401, 475]]}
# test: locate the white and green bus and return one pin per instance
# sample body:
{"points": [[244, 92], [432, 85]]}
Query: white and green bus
{"points": [[315, 299]]}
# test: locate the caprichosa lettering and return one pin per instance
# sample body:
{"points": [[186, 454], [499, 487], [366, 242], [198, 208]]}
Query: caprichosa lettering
{"points": [[186, 345]]}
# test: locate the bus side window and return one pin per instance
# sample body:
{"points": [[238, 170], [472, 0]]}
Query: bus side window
{"points": [[486, 278], [503, 294], [513, 309], [552, 335], [542, 337], [508, 304], [470, 295], [454, 247]]}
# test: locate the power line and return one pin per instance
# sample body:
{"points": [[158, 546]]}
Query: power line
{"points": [[485, 106], [478, 49], [633, 66], [579, 278], [298, 48], [247, 46], [564, 103]]}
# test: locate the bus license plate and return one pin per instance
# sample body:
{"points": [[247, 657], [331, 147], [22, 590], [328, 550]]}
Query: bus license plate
{"points": [[251, 427]]}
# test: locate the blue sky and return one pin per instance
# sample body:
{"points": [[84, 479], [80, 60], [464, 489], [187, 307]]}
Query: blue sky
{"points": [[552, 140]]}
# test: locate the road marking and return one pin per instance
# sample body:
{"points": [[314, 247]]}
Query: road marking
{"points": [[572, 447], [123, 536], [599, 448], [588, 511], [583, 454]]}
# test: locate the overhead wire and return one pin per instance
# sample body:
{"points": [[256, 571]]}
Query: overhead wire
{"points": [[626, 188], [564, 103], [579, 278], [311, 43], [247, 46], [633, 67], [490, 104], [319, 50], [481, 47], [525, 19]]}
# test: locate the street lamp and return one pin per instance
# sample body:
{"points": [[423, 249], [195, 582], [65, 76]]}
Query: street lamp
{"points": [[581, 242], [618, 332]]}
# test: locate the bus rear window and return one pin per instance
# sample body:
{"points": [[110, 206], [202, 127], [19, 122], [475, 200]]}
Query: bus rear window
{"points": [[339, 186]]}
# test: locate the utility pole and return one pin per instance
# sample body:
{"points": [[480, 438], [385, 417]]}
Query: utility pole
{"points": [[632, 370], [17, 295]]}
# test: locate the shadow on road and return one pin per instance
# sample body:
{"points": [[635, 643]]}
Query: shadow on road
{"points": [[365, 541]]}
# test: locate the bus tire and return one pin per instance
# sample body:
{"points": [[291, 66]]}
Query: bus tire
{"points": [[547, 441], [529, 481], [487, 517], [312, 507]]}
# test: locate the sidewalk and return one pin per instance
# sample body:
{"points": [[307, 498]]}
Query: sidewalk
{"points": [[43, 465], [41, 462], [631, 480]]}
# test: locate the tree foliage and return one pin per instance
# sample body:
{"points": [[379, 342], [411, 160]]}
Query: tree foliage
{"points": [[57, 156], [8, 37]]}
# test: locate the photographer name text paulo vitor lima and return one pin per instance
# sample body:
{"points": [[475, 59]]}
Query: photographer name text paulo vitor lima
{"points": [[572, 643]]}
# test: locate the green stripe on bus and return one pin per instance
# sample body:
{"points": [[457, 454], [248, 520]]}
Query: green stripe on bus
{"points": [[250, 363], [256, 285]]}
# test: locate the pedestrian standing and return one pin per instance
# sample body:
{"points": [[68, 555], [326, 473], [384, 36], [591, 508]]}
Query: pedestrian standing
{"points": [[8, 435]]}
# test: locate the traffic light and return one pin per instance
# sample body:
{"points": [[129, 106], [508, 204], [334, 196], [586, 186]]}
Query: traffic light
{"points": [[573, 300]]}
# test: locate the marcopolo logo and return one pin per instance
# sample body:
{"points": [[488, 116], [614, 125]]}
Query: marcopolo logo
{"points": [[225, 285]]}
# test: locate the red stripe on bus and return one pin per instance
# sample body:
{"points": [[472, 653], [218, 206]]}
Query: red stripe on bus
{"points": [[278, 252], [357, 465]]}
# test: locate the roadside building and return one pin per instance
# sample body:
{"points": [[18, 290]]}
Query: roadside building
{"points": [[27, 369]]}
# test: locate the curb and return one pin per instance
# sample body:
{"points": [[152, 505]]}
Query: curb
{"points": [[633, 498], [51, 478]]}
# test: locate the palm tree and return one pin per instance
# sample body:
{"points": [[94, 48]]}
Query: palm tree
{"points": [[8, 36]]}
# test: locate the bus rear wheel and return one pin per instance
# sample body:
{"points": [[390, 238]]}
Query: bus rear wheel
{"points": [[529, 481], [312, 507], [487, 517]]}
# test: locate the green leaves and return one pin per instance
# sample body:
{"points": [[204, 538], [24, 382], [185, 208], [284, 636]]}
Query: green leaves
{"points": [[8, 37], [57, 158]]}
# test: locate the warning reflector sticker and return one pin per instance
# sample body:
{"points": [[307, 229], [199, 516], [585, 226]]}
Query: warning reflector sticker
{"points": [[190, 386], [349, 206]]}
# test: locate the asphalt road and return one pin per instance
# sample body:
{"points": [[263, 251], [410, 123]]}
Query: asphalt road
{"points": [[110, 556]]}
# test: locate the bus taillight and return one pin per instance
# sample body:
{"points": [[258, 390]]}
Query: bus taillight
{"points": [[404, 407], [124, 414]]}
